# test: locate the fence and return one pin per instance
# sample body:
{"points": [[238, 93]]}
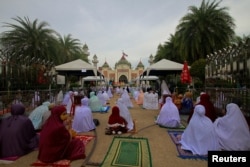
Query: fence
{"points": [[26, 97]]}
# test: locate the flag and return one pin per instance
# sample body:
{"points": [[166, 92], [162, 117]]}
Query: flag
{"points": [[185, 75], [124, 54]]}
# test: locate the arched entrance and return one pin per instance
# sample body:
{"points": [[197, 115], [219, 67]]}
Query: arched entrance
{"points": [[123, 79]]}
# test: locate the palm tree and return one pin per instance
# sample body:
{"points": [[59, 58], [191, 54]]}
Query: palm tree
{"points": [[204, 30], [28, 41], [30, 45], [168, 51], [70, 49]]}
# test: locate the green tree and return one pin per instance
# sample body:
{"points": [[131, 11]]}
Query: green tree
{"points": [[198, 69], [70, 49], [203, 30], [29, 41], [168, 51], [27, 49]]}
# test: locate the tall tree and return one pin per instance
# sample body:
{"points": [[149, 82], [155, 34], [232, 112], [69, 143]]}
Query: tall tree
{"points": [[28, 41], [70, 49], [27, 49], [204, 30], [168, 51]]}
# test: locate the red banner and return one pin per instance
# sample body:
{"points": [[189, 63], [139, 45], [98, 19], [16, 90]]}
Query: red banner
{"points": [[185, 75]]}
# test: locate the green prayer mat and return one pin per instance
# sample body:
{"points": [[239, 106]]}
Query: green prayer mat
{"points": [[128, 151]]}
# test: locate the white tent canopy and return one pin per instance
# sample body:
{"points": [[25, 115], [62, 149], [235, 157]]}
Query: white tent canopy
{"points": [[77, 67], [146, 78], [162, 67], [93, 78]]}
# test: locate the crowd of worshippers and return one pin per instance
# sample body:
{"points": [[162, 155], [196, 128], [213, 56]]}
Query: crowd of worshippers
{"points": [[52, 128]]}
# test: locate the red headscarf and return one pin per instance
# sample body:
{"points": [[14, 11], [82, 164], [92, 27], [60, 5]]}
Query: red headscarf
{"points": [[54, 137], [210, 110], [115, 116]]}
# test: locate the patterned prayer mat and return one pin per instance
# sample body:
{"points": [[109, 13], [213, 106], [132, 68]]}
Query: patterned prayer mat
{"points": [[64, 163], [181, 127], [185, 154], [128, 151]]}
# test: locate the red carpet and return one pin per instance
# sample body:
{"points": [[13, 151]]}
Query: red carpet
{"points": [[64, 163]]}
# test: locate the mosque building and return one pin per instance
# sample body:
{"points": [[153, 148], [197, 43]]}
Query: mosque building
{"points": [[122, 74]]}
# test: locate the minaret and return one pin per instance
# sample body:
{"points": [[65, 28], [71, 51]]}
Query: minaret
{"points": [[85, 49], [151, 59], [95, 61]]}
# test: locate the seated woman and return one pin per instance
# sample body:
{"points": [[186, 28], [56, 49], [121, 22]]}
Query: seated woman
{"points": [[169, 115], [95, 104], [116, 123], [126, 99], [36, 116], [83, 119], [232, 130], [140, 97], [17, 134], [199, 136], [209, 106], [124, 112], [187, 104], [57, 142]]}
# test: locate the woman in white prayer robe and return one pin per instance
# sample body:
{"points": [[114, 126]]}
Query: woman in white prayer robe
{"points": [[136, 94], [169, 115], [199, 137], [232, 130], [101, 97], [83, 118], [106, 96], [124, 112], [59, 97], [110, 92], [126, 99]]}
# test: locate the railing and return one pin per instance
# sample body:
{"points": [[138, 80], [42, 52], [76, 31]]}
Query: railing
{"points": [[26, 97], [222, 96]]}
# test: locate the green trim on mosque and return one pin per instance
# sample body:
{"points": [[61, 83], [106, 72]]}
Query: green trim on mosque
{"points": [[140, 65], [105, 65], [122, 61]]}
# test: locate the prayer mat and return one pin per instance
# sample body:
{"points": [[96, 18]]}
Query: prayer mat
{"points": [[64, 163], [8, 160], [181, 127], [85, 138], [128, 151], [185, 154]]}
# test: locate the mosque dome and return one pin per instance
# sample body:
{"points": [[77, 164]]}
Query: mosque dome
{"points": [[105, 65], [140, 65], [123, 61]]}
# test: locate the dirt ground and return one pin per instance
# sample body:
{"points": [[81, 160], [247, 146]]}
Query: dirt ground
{"points": [[163, 150]]}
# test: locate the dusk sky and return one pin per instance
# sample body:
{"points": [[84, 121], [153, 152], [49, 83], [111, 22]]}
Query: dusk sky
{"points": [[109, 27]]}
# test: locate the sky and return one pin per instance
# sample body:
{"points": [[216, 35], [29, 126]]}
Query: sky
{"points": [[110, 27]]}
